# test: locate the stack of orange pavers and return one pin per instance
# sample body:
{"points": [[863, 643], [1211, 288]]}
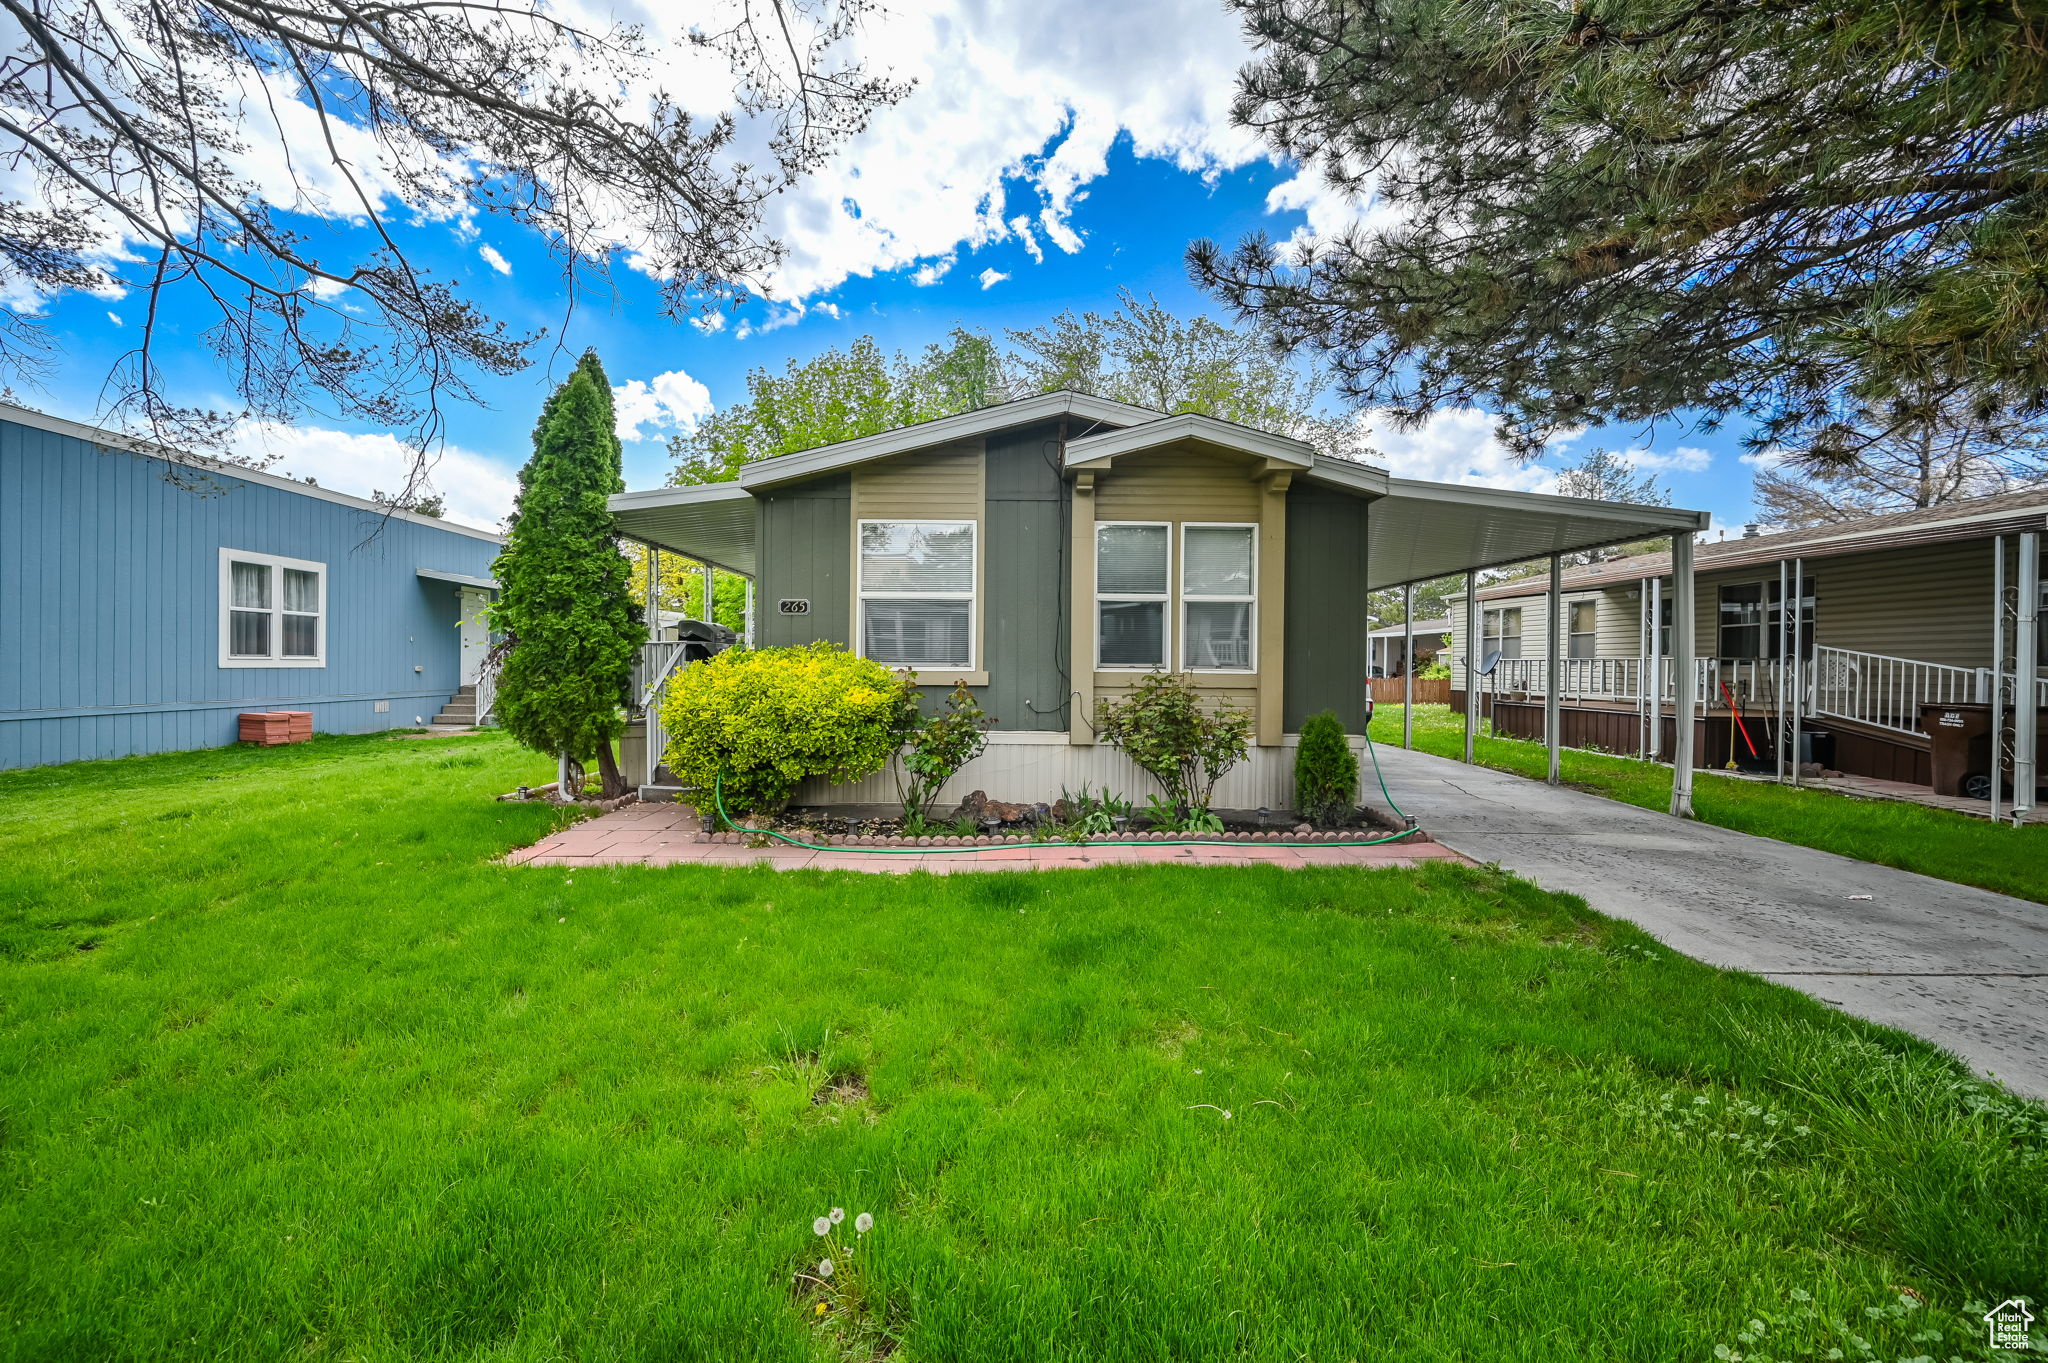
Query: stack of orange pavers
{"points": [[272, 727]]}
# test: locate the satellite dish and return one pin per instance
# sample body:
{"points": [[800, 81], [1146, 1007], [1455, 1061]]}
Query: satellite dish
{"points": [[1488, 663]]}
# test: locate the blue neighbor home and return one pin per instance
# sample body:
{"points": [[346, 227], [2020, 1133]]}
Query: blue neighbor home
{"points": [[142, 613]]}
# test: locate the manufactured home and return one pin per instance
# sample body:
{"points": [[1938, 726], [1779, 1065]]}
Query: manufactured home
{"points": [[1894, 615], [1050, 552], [148, 598]]}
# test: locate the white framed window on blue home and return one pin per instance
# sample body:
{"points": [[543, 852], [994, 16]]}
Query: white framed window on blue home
{"points": [[1218, 597], [273, 611], [1132, 605], [917, 581]]}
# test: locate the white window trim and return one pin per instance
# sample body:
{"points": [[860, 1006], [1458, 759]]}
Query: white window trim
{"points": [[972, 596], [1591, 603], [226, 592], [1167, 630], [1181, 592]]}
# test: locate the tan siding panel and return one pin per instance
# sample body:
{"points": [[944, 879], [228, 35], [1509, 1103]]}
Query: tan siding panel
{"points": [[937, 484], [1176, 485]]}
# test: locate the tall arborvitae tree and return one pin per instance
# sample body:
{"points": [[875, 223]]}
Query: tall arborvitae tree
{"points": [[565, 598], [1610, 210]]}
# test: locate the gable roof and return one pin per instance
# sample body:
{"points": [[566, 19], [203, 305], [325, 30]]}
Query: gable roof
{"points": [[1974, 518], [841, 454], [1097, 451], [114, 440]]}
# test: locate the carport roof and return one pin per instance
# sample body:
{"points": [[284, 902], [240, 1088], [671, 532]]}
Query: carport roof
{"points": [[1423, 530]]}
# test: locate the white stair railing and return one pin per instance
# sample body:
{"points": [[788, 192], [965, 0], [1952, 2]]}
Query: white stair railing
{"points": [[1875, 689], [486, 694]]}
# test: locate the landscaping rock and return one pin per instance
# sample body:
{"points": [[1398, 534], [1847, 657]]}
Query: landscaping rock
{"points": [[1303, 828], [978, 807]]}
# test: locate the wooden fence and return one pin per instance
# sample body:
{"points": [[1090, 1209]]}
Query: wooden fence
{"points": [[1428, 690]]}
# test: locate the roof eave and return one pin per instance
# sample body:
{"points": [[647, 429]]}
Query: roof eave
{"points": [[788, 468]]}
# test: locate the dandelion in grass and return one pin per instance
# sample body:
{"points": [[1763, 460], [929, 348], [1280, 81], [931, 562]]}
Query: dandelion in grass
{"points": [[822, 1226], [863, 1223], [838, 1215], [824, 1268]]}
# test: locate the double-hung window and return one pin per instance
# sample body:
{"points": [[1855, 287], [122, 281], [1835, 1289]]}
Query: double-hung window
{"points": [[916, 588], [1583, 638], [1742, 621], [1218, 579], [1502, 633], [273, 611], [1132, 577]]}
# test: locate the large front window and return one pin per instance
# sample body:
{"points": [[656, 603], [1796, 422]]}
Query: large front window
{"points": [[1132, 575], [916, 588], [273, 611], [1218, 579]]}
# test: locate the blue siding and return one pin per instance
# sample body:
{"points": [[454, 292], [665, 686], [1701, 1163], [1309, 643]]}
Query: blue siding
{"points": [[109, 605]]}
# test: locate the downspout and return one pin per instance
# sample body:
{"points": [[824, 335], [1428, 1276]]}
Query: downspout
{"points": [[1997, 675], [2026, 649]]}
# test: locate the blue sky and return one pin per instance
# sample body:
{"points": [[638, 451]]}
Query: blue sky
{"points": [[977, 202]]}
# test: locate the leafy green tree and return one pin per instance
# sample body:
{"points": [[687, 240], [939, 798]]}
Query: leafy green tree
{"points": [[1614, 209], [839, 395], [1143, 354], [564, 599]]}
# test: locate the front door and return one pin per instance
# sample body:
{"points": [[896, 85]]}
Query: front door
{"points": [[476, 633]]}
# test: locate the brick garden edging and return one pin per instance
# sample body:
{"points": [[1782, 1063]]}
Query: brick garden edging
{"points": [[1360, 835]]}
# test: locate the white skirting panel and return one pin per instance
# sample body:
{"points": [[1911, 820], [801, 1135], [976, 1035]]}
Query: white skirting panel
{"points": [[1023, 768]]}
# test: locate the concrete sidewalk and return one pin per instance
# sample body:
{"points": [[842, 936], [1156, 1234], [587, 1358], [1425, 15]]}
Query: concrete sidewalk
{"points": [[1965, 968]]}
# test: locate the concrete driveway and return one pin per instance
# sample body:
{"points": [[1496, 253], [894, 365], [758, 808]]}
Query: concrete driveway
{"points": [[1965, 968]]}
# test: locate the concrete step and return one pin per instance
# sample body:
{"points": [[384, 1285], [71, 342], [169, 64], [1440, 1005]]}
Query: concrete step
{"points": [[464, 712]]}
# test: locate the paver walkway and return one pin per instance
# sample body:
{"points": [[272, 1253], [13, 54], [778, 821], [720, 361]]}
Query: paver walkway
{"points": [[1962, 967], [666, 835]]}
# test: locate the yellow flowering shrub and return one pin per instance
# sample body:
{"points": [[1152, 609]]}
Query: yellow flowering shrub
{"points": [[768, 717]]}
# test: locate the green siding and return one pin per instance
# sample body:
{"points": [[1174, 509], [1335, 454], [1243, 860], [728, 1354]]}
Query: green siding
{"points": [[806, 550], [1025, 591], [1327, 607]]}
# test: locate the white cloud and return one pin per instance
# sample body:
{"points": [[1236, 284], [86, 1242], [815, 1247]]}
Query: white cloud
{"points": [[324, 288], [115, 318], [1331, 212], [1021, 225], [1769, 457], [493, 259], [1684, 459], [1452, 446], [671, 401], [478, 490], [831, 310], [931, 272], [711, 323], [991, 278]]}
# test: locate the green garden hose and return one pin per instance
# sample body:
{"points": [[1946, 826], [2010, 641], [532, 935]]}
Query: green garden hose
{"points": [[718, 799]]}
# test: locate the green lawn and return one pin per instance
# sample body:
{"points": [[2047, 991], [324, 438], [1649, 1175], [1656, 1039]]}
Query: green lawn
{"points": [[1933, 842], [290, 1068]]}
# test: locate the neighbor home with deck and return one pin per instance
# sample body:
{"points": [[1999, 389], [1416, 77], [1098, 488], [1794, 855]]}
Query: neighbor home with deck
{"points": [[148, 598], [1050, 552], [1922, 617]]}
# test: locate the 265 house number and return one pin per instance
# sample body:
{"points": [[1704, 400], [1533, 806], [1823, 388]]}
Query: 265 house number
{"points": [[793, 605]]}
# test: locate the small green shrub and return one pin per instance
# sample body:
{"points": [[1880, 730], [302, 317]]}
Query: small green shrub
{"points": [[1325, 771], [767, 718], [1162, 726], [935, 748]]}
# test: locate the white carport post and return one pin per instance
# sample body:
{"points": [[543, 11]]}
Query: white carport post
{"points": [[707, 592], [1408, 665], [1472, 642], [1682, 595], [1553, 663], [1786, 606], [2025, 665], [1656, 668], [1997, 674], [747, 619], [653, 591]]}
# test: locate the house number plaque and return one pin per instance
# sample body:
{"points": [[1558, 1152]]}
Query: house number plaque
{"points": [[794, 605]]}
